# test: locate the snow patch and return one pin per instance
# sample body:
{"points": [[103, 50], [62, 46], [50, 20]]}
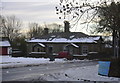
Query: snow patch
{"points": [[87, 73], [8, 61], [11, 62]]}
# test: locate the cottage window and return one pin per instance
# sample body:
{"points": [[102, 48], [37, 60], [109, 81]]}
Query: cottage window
{"points": [[84, 50]]}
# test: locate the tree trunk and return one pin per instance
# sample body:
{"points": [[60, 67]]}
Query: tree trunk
{"points": [[119, 45], [114, 43]]}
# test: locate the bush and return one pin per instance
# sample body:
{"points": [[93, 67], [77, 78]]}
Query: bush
{"points": [[114, 69], [98, 56]]}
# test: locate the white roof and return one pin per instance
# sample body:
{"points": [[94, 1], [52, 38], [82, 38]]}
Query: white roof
{"points": [[5, 43], [41, 44], [64, 40]]}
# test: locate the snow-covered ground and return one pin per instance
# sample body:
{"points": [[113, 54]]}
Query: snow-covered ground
{"points": [[10, 62], [87, 73]]}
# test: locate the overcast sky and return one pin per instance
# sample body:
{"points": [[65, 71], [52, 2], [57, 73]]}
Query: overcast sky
{"points": [[39, 11]]}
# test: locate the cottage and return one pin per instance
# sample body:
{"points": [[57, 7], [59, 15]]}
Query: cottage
{"points": [[76, 43], [5, 46]]}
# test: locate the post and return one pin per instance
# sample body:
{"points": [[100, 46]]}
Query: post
{"points": [[50, 54], [114, 43], [117, 45], [117, 48]]}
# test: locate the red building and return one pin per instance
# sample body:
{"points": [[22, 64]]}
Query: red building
{"points": [[5, 47]]}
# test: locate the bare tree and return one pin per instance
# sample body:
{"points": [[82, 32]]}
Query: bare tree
{"points": [[105, 13], [55, 28], [10, 27], [83, 11], [1, 25], [34, 30]]}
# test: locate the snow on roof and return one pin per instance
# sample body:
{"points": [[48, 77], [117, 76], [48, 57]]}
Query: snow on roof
{"points": [[64, 40], [108, 46], [75, 45], [96, 38], [53, 36], [72, 36], [5, 43], [59, 40], [37, 40], [41, 44], [82, 40]]}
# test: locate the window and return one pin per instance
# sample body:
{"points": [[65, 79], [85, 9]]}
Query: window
{"points": [[84, 49]]}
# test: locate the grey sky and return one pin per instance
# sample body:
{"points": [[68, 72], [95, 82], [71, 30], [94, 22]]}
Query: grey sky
{"points": [[31, 11], [39, 11]]}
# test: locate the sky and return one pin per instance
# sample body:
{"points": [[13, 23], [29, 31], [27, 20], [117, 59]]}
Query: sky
{"points": [[35, 11], [39, 11]]}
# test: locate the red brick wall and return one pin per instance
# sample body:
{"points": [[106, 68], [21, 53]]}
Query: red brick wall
{"points": [[3, 50]]}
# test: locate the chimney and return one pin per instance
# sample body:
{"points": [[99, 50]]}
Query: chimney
{"points": [[66, 26], [46, 31]]}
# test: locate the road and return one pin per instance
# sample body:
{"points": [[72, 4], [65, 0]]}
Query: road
{"points": [[26, 73]]}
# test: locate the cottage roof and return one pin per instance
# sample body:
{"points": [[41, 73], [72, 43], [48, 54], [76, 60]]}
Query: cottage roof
{"points": [[67, 35], [5, 43], [64, 40]]}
